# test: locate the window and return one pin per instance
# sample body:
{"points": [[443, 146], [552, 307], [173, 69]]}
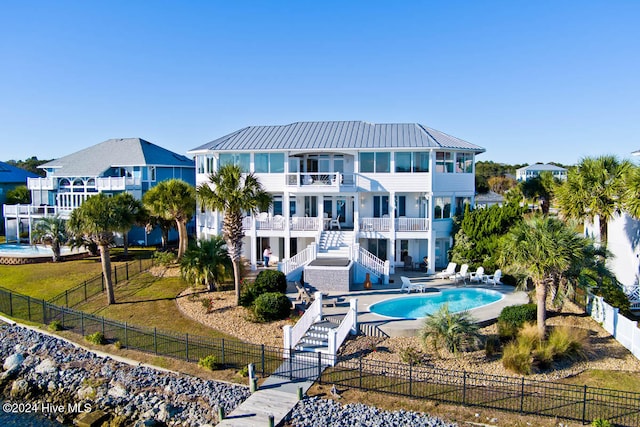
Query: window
{"points": [[401, 206], [152, 173], [338, 163], [277, 205], [464, 163], [210, 163], [367, 162], [460, 204], [444, 162], [268, 162], [417, 161], [378, 247], [200, 162], [292, 208], [380, 206], [240, 159], [442, 208], [375, 162]]}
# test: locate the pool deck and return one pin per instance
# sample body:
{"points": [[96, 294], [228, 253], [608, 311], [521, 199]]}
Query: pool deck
{"points": [[397, 327]]}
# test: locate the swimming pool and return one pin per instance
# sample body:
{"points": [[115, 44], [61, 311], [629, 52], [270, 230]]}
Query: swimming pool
{"points": [[8, 249], [418, 306], [13, 253]]}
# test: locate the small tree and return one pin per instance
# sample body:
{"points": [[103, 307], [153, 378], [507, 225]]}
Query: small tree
{"points": [[96, 220], [51, 231], [131, 212], [206, 263], [19, 196], [455, 330]]}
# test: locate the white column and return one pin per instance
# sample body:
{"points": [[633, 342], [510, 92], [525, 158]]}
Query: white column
{"points": [[254, 245], [287, 225]]}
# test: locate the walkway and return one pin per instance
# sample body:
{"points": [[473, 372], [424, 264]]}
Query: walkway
{"points": [[277, 396]]}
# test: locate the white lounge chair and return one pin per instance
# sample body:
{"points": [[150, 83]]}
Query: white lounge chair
{"points": [[477, 276], [450, 270], [408, 286], [461, 276], [494, 279]]}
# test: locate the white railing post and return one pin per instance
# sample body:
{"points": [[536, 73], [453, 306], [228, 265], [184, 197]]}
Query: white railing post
{"points": [[353, 307], [387, 267], [332, 341], [286, 332]]}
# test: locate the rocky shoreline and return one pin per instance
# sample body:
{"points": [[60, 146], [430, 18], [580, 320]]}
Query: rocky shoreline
{"points": [[50, 376]]}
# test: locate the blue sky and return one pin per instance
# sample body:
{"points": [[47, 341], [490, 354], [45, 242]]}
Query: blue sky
{"points": [[528, 81]]}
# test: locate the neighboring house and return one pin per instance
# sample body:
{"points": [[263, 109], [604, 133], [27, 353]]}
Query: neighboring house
{"points": [[348, 188], [10, 178], [485, 200], [113, 166], [528, 172]]}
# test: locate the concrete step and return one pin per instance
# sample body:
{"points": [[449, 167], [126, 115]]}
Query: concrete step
{"points": [[312, 349], [322, 326], [313, 342]]}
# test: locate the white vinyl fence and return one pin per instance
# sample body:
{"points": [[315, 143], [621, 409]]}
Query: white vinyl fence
{"points": [[625, 331]]}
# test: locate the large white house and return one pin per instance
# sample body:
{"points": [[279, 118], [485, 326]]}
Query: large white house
{"points": [[373, 193], [533, 171]]}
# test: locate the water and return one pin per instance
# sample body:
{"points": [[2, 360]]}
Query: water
{"points": [[15, 249], [24, 420], [418, 306]]}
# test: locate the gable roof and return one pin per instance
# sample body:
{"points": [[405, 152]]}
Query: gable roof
{"points": [[541, 167], [10, 174], [337, 135], [119, 152]]}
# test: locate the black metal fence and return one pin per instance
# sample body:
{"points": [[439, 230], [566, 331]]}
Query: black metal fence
{"points": [[95, 286], [522, 395], [228, 353]]}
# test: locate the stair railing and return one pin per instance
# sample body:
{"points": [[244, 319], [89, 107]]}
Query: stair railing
{"points": [[300, 259], [293, 334], [349, 325], [371, 262]]}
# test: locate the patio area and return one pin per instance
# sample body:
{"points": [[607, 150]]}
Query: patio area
{"points": [[406, 328]]}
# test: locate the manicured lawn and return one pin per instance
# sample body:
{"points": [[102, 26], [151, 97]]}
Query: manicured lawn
{"points": [[616, 380], [149, 301], [45, 280]]}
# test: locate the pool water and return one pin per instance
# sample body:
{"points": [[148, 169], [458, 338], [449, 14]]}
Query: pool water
{"points": [[418, 306], [15, 249]]}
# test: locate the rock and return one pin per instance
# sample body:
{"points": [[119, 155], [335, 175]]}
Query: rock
{"points": [[20, 388], [86, 392], [117, 391], [47, 366], [12, 362]]}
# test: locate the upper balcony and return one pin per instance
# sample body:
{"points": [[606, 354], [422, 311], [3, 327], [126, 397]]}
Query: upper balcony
{"points": [[320, 181], [401, 224], [117, 183], [47, 183]]}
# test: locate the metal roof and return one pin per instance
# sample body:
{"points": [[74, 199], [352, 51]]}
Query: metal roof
{"points": [[10, 174], [336, 135], [120, 152]]}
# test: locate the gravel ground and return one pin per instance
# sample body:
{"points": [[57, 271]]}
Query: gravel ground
{"points": [[226, 317]]}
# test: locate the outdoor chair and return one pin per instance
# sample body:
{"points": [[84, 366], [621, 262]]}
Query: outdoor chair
{"points": [[303, 295], [408, 262], [461, 276], [477, 276], [450, 270], [408, 286], [494, 279]]}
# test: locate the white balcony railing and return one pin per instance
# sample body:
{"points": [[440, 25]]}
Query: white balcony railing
{"points": [[375, 224], [320, 179], [114, 183], [412, 224], [14, 211], [304, 223], [278, 223], [271, 223], [40, 183]]}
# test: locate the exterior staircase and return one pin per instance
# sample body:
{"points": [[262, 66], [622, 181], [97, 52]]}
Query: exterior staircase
{"points": [[335, 244], [316, 339]]}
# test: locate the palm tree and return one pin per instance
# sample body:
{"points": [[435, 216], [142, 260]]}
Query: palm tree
{"points": [[540, 189], [543, 250], [206, 262], [96, 220], [593, 189], [52, 231], [232, 192], [132, 212], [175, 200], [455, 330], [631, 196]]}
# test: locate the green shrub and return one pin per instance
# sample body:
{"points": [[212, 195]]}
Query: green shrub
{"points": [[492, 345], [271, 306], [55, 325], [164, 258], [513, 317], [614, 296], [270, 281], [410, 355], [600, 422], [244, 372], [517, 358], [457, 331], [207, 303], [117, 345], [209, 362], [96, 338], [247, 294]]}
